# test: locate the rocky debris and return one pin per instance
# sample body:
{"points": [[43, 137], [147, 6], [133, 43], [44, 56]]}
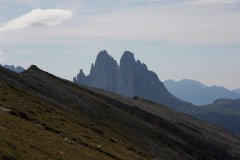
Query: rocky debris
{"points": [[61, 134], [38, 124], [68, 140], [99, 147], [2, 109], [60, 152], [113, 140]]}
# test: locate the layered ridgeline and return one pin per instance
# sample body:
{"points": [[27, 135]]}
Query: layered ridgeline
{"points": [[197, 93], [237, 90], [223, 112], [17, 69], [45, 117], [131, 79]]}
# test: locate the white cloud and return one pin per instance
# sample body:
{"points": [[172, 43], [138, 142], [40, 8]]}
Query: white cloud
{"points": [[179, 23], [1, 56], [37, 17]]}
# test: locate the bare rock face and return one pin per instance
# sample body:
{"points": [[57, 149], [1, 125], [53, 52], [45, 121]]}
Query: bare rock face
{"points": [[103, 74], [127, 75], [130, 78], [81, 78]]}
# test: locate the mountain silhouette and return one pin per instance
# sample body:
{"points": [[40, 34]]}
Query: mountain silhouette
{"points": [[17, 69], [130, 78], [222, 112], [197, 93], [237, 90]]}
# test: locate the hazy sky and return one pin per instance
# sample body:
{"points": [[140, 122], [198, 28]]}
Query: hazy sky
{"points": [[194, 39]]}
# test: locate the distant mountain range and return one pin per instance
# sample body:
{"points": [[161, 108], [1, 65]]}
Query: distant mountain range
{"points": [[131, 78], [17, 69], [197, 93], [223, 112], [237, 90]]}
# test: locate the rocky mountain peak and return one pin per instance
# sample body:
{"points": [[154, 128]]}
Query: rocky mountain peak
{"points": [[103, 57], [127, 60], [81, 72], [131, 78], [128, 55], [81, 78], [104, 62]]}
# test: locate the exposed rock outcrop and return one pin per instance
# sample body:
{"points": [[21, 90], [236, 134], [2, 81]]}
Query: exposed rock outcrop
{"points": [[130, 78]]}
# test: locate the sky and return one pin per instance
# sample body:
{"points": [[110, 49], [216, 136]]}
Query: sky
{"points": [[177, 39]]}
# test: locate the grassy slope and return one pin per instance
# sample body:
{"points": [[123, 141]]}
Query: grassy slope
{"points": [[50, 118], [38, 129]]}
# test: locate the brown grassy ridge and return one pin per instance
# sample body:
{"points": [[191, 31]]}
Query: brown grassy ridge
{"points": [[44, 117], [35, 129]]}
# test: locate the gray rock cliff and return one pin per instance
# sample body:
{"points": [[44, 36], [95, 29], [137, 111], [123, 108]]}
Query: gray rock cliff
{"points": [[131, 79]]}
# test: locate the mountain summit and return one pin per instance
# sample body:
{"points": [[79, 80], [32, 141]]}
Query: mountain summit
{"points": [[130, 78]]}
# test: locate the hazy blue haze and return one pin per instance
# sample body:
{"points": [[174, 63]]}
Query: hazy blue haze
{"points": [[197, 93]]}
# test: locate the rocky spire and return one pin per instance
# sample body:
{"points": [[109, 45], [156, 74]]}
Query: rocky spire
{"points": [[104, 62], [81, 73], [131, 78], [81, 78], [127, 60], [103, 73]]}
